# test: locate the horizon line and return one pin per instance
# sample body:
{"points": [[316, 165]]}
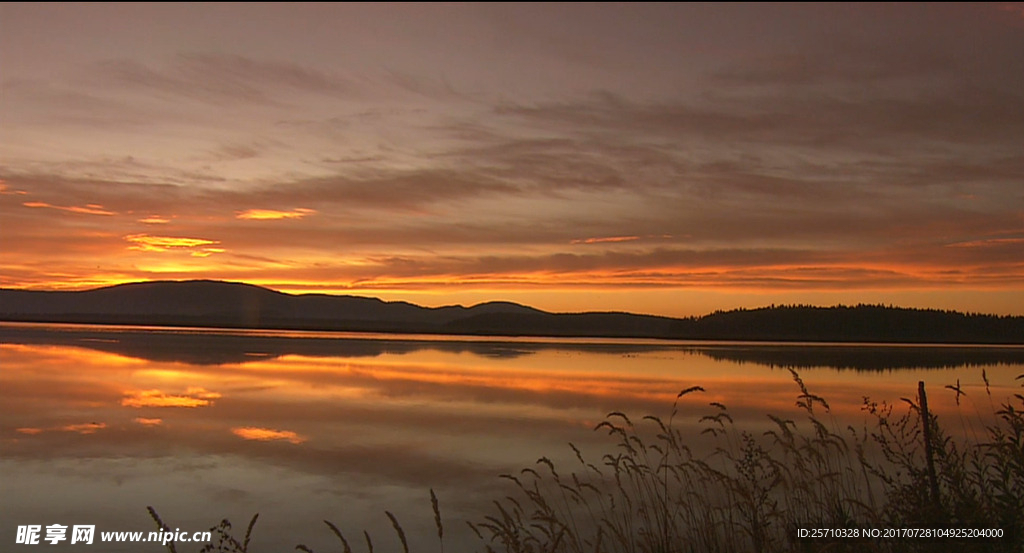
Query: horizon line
{"points": [[770, 306]]}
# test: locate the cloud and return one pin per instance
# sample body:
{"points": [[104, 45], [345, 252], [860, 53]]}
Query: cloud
{"points": [[89, 209], [442, 228], [767, 147], [197, 247], [78, 428], [200, 392], [53, 102], [989, 243], [110, 184], [221, 79], [399, 191], [5, 190], [770, 120], [267, 434], [604, 240], [273, 214], [84, 428], [234, 152], [194, 397]]}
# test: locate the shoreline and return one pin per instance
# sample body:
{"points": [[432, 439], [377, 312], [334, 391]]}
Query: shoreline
{"points": [[483, 337]]}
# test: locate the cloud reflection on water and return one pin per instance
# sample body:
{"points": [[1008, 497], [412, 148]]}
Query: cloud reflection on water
{"points": [[393, 416]]}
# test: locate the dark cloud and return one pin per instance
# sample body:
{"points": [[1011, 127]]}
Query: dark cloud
{"points": [[875, 123], [832, 142], [705, 234], [221, 80], [390, 190], [49, 103]]}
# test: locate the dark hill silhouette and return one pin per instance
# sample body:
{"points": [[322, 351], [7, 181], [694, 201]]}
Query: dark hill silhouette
{"points": [[236, 305], [861, 323], [231, 304]]}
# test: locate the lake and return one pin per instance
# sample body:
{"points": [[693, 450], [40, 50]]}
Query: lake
{"points": [[99, 422]]}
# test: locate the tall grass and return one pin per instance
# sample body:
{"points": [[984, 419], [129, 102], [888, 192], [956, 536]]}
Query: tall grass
{"points": [[652, 492]]}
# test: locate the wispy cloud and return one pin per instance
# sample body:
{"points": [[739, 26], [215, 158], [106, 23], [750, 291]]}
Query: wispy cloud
{"points": [[193, 397], [89, 209], [78, 428], [604, 240], [84, 428], [198, 247], [4, 189], [267, 434], [273, 214], [614, 239], [989, 243], [221, 79]]}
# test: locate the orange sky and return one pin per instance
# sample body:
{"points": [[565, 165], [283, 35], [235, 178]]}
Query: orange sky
{"points": [[668, 159]]}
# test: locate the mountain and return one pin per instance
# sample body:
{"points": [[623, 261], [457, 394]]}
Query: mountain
{"points": [[209, 303], [231, 304]]}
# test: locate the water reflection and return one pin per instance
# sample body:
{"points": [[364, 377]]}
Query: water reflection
{"points": [[302, 427], [218, 347], [877, 358]]}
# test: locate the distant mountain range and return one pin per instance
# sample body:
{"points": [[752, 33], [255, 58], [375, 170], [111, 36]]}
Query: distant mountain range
{"points": [[206, 303]]}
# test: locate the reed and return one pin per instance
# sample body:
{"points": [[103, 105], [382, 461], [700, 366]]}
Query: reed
{"points": [[651, 494]]}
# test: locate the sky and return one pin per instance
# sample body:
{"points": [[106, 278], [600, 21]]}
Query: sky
{"points": [[668, 159]]}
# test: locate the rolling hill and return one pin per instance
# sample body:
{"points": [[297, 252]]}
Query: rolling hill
{"points": [[207, 303]]}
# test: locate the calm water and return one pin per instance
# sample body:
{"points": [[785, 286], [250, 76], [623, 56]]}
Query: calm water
{"points": [[99, 422]]}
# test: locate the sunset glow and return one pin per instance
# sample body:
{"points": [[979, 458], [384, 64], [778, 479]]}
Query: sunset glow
{"points": [[271, 214], [155, 398], [668, 159], [267, 434]]}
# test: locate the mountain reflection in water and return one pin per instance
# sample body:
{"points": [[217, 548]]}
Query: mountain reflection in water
{"points": [[99, 422], [214, 347]]}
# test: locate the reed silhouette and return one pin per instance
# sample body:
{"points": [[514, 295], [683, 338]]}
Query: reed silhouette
{"points": [[652, 491]]}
